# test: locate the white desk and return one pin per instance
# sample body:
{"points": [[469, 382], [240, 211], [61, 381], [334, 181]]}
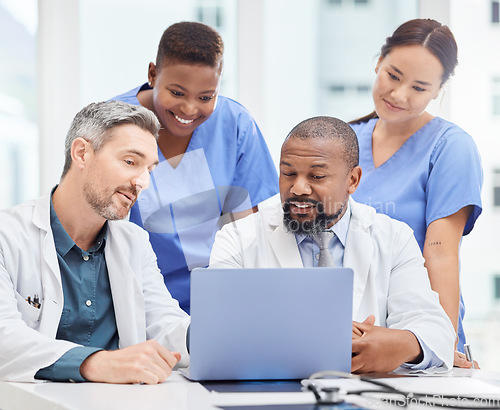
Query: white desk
{"points": [[176, 393]]}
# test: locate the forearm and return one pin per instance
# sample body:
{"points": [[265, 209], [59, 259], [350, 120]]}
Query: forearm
{"points": [[444, 278], [380, 349], [424, 316], [67, 368], [147, 362], [441, 253], [410, 346]]}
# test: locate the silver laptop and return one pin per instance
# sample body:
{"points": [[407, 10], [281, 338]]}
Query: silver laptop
{"points": [[264, 324]]}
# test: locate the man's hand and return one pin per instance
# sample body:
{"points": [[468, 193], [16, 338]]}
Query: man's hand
{"points": [[147, 362], [356, 330], [378, 349]]}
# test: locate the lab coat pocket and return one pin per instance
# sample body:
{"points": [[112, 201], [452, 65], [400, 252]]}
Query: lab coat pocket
{"points": [[30, 314]]}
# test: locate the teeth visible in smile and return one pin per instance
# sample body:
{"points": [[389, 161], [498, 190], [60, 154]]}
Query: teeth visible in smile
{"points": [[301, 205], [183, 121]]}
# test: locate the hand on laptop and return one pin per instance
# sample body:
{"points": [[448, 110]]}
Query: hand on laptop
{"points": [[147, 362], [379, 349]]}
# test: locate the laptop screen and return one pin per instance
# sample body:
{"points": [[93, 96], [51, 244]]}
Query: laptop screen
{"points": [[277, 323]]}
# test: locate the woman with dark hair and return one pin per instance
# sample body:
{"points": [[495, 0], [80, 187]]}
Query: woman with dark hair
{"points": [[214, 163], [417, 168]]}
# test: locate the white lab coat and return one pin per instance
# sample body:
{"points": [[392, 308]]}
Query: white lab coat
{"points": [[28, 265], [390, 280]]}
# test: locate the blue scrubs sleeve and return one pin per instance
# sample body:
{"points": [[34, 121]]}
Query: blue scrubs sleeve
{"points": [[67, 368], [455, 178], [255, 170]]}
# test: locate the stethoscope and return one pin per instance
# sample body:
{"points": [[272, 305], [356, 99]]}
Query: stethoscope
{"points": [[328, 396]]}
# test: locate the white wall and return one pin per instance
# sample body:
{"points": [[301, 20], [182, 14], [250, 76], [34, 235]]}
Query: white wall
{"points": [[58, 82], [277, 65]]}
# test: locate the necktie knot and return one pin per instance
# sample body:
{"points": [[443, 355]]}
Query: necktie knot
{"points": [[323, 240]]}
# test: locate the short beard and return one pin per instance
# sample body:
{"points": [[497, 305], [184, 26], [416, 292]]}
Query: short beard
{"points": [[308, 228], [103, 204]]}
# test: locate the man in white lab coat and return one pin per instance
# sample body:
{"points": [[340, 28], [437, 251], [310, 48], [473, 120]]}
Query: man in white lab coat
{"points": [[81, 296], [398, 320]]}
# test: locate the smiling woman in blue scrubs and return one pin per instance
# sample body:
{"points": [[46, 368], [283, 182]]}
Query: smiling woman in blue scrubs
{"points": [[214, 162], [417, 168]]}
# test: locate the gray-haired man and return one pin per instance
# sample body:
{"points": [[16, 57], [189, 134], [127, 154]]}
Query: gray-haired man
{"points": [[81, 296]]}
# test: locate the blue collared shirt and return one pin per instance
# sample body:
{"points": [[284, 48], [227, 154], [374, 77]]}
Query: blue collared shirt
{"points": [[88, 316], [309, 252]]}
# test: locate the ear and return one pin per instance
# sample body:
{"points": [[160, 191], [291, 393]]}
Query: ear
{"points": [[221, 70], [378, 64], [438, 93], [151, 75], [354, 178], [80, 151]]}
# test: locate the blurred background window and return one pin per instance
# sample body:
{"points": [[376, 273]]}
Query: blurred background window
{"points": [[18, 102]]}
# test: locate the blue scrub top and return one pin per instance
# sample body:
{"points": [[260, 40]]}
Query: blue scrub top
{"points": [[433, 175], [226, 168]]}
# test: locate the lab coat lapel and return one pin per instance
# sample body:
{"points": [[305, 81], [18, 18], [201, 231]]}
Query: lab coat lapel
{"points": [[285, 248], [52, 303], [127, 296], [358, 253]]}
